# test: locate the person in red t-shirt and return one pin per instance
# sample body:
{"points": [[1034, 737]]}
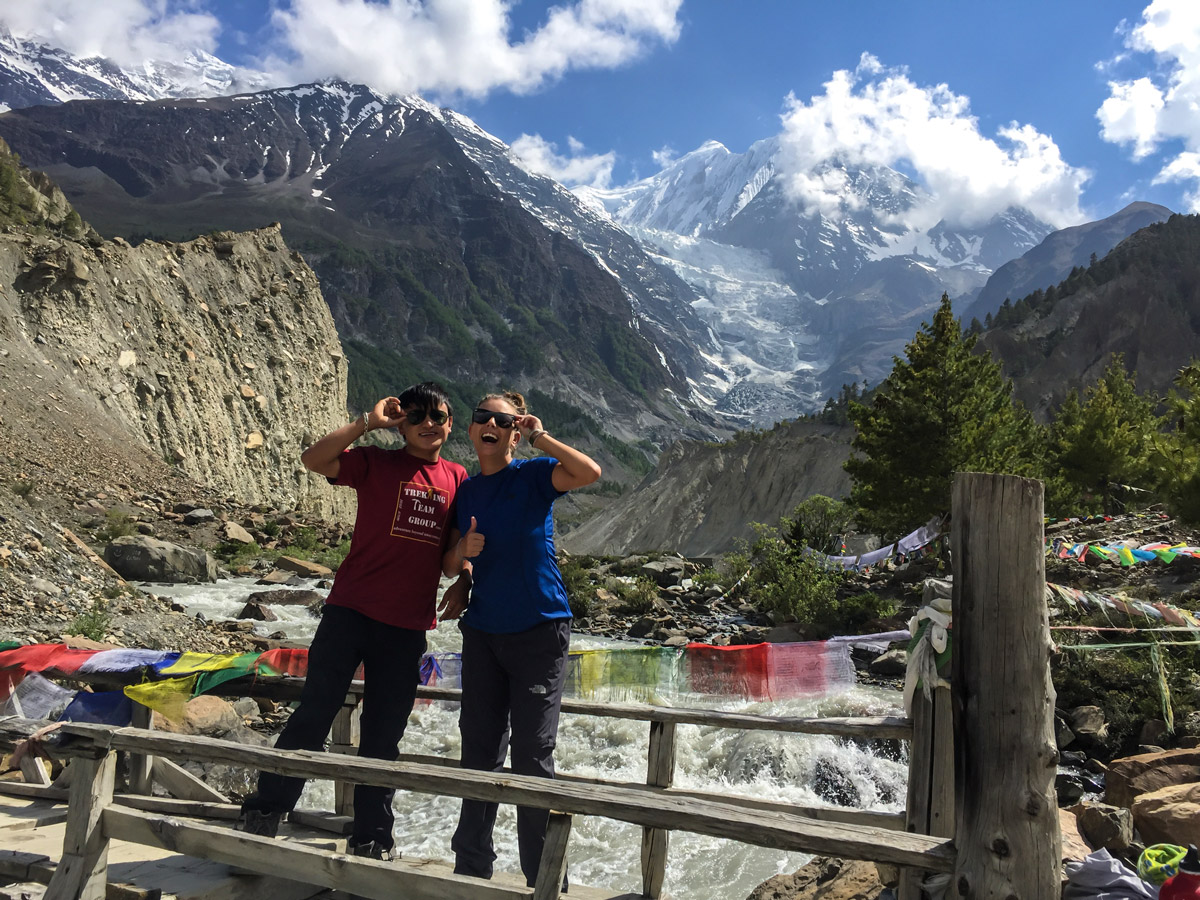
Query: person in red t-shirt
{"points": [[381, 604]]}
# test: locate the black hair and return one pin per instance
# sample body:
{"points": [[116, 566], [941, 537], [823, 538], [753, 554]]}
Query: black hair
{"points": [[427, 395]]}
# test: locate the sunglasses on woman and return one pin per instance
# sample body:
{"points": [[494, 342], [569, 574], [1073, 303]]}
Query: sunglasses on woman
{"points": [[481, 416], [417, 416]]}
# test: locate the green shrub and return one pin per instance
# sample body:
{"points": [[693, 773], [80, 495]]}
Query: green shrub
{"points": [[578, 581], [236, 553], [94, 623], [117, 524], [787, 584], [707, 578], [22, 489], [638, 599]]}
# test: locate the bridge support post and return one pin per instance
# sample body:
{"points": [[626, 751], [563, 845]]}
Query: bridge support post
{"points": [[82, 873], [1007, 831], [660, 772]]}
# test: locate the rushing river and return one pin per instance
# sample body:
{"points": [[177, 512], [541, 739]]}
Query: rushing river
{"points": [[605, 853]]}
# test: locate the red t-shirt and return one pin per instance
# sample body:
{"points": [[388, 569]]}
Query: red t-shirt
{"points": [[405, 508]]}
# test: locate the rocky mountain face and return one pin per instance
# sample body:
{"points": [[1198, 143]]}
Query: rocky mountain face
{"points": [[418, 252], [1141, 300], [217, 357], [1053, 259], [701, 497]]}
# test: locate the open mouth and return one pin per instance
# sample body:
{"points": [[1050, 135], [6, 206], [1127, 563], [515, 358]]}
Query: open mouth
{"points": [[490, 439]]}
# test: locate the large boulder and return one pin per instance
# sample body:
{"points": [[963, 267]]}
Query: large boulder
{"points": [[142, 558], [1131, 776], [828, 879], [1170, 815]]}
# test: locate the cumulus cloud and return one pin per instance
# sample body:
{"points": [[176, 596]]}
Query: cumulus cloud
{"points": [[1162, 107], [463, 47], [538, 155], [127, 31], [877, 116]]}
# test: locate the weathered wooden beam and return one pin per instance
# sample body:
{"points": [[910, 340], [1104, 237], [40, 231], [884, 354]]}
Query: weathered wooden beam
{"points": [[140, 765], [1007, 829], [554, 858], [780, 830], [660, 772], [284, 859], [182, 784], [345, 737], [83, 870]]}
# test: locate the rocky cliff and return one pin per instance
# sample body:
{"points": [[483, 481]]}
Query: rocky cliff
{"points": [[702, 497], [217, 356]]}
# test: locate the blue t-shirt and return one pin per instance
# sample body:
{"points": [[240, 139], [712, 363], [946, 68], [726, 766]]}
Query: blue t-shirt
{"points": [[516, 582]]}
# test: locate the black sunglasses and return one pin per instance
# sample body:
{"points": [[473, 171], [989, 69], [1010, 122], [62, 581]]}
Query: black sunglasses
{"points": [[481, 416], [417, 416]]}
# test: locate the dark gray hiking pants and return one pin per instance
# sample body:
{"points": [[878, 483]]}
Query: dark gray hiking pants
{"points": [[508, 679]]}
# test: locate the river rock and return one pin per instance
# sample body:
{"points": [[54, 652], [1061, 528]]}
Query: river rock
{"points": [[827, 879], [285, 598], [1132, 776], [1170, 815], [302, 567], [1102, 825], [142, 558]]}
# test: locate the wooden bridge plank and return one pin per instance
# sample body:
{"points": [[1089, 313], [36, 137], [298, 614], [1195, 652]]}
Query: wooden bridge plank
{"points": [[359, 875]]}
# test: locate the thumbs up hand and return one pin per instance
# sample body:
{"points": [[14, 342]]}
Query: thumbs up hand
{"points": [[471, 543]]}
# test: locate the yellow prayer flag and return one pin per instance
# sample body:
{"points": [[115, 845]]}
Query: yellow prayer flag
{"points": [[168, 697]]}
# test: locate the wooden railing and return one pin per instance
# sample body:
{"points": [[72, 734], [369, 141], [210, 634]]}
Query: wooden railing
{"points": [[1009, 790]]}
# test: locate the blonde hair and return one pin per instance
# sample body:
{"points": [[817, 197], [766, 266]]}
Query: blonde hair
{"points": [[512, 398]]}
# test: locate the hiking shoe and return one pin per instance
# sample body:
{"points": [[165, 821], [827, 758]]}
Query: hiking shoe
{"points": [[253, 821], [374, 850]]}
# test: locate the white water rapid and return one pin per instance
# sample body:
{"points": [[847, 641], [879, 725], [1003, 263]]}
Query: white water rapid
{"points": [[606, 853]]}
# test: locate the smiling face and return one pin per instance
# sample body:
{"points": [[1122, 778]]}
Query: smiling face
{"points": [[493, 444], [425, 438]]}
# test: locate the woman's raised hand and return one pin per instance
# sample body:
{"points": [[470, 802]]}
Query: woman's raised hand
{"points": [[470, 544]]}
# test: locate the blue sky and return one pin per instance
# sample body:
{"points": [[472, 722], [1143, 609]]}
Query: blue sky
{"points": [[1073, 108]]}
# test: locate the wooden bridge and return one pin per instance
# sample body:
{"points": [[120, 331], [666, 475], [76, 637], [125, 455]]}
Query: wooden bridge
{"points": [[987, 743]]}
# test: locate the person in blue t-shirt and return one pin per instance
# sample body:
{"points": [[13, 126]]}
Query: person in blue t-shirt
{"points": [[516, 627]]}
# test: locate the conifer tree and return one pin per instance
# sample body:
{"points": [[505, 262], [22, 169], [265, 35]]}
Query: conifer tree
{"points": [[1101, 446], [943, 409], [1177, 454]]}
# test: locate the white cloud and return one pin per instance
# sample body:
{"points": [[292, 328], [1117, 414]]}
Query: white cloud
{"points": [[463, 47], [877, 116], [1162, 106], [538, 155], [128, 31]]}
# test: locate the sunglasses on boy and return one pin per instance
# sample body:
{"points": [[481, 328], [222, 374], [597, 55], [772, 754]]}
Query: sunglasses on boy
{"points": [[417, 416], [481, 416]]}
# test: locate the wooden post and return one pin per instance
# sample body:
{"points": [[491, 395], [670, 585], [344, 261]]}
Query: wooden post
{"points": [[554, 857], [1007, 833], [660, 772], [930, 805], [140, 764], [82, 873], [345, 740]]}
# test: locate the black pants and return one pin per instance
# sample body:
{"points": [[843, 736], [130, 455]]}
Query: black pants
{"points": [[391, 660], [518, 679]]}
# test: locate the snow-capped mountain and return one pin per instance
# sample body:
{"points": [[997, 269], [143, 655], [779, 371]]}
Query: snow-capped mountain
{"points": [[764, 309], [804, 302], [33, 72]]}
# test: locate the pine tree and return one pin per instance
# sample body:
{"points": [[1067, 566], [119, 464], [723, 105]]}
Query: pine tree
{"points": [[1177, 454], [1101, 446], [943, 409]]}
